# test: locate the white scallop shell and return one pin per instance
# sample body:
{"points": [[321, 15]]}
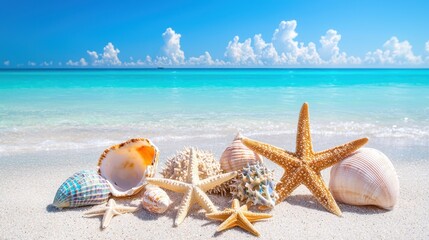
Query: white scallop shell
{"points": [[367, 177], [155, 199], [125, 166], [237, 156]]}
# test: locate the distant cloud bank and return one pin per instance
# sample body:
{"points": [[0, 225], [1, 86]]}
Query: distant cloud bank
{"points": [[282, 50]]}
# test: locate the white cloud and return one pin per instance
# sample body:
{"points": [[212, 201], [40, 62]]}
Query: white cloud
{"points": [[46, 64], [6, 63], [30, 63], [240, 53], [427, 46], [82, 62], [266, 53], [108, 58], [291, 51], [205, 60], [393, 52], [174, 54]]}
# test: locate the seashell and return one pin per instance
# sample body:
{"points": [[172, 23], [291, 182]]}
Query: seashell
{"points": [[367, 177], [124, 166], [255, 184], [82, 189], [237, 156], [176, 168], [155, 199]]}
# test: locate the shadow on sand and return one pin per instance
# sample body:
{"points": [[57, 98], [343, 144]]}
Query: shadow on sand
{"points": [[308, 201]]}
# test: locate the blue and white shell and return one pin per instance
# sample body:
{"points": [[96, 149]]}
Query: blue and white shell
{"points": [[255, 184], [82, 189]]}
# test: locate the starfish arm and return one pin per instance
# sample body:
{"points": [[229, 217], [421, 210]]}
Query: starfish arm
{"points": [[287, 184], [236, 204], [220, 216], [285, 159], [204, 201], [107, 217], [314, 182], [254, 217], [193, 173], [89, 215], [169, 184], [334, 155], [184, 207], [125, 209], [304, 147], [214, 181], [95, 212], [244, 223], [230, 222]]}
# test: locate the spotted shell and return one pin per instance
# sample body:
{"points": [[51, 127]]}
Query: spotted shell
{"points": [[367, 177], [124, 166], [237, 156], [82, 189], [155, 199]]}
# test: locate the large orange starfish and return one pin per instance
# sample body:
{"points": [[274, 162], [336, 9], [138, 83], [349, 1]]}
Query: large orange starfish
{"points": [[304, 165]]}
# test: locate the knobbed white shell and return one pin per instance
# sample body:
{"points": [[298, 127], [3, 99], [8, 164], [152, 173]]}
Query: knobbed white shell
{"points": [[237, 156], [367, 177], [125, 166], [155, 199]]}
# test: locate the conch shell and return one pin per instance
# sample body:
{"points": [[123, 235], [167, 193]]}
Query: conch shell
{"points": [[237, 156], [155, 199], [367, 177], [125, 166], [84, 188]]}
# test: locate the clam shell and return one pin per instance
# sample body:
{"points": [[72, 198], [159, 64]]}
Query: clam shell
{"points": [[124, 166], [367, 177], [155, 199], [82, 189], [237, 156]]}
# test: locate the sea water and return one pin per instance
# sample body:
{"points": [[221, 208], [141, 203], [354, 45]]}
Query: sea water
{"points": [[76, 109]]}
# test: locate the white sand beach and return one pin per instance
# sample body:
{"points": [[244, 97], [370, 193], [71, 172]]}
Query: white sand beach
{"points": [[29, 183]]}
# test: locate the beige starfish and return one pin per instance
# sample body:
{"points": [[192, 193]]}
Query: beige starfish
{"points": [[193, 189], [238, 216], [109, 211], [304, 165]]}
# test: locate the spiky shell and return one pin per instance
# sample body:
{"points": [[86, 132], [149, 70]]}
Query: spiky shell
{"points": [[155, 199], [367, 177], [82, 189], [255, 184], [124, 166], [177, 165], [237, 156]]}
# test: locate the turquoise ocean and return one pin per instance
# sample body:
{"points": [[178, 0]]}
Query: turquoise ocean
{"points": [[44, 110]]}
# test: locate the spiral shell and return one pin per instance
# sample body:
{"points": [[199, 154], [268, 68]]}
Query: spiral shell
{"points": [[155, 199], [82, 189], [237, 156], [125, 166], [367, 177]]}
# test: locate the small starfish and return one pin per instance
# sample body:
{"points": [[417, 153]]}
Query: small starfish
{"points": [[238, 216], [109, 211], [194, 189], [304, 165]]}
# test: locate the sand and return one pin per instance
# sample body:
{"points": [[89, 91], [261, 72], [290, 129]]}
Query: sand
{"points": [[29, 182]]}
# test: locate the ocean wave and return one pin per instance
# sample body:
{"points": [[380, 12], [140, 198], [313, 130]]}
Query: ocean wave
{"points": [[34, 139]]}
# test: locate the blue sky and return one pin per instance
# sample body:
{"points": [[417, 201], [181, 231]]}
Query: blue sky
{"points": [[203, 33]]}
